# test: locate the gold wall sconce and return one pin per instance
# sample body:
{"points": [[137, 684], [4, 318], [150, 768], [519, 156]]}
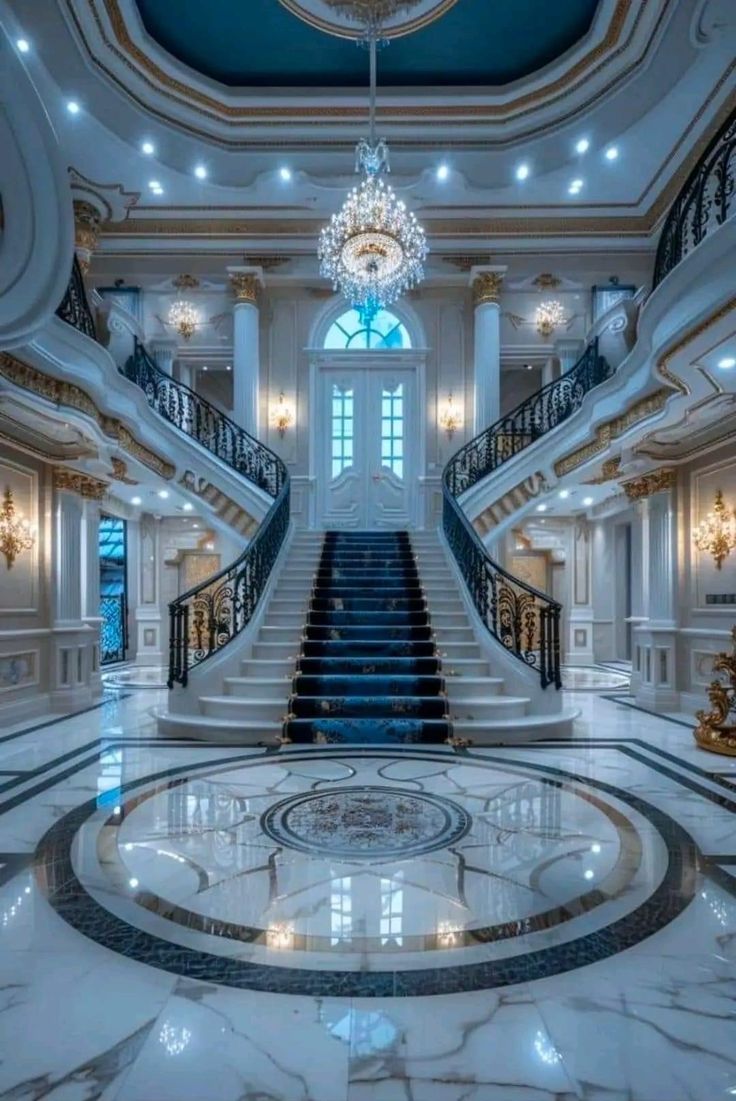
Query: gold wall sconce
{"points": [[450, 418], [282, 416], [716, 533], [549, 316], [16, 534]]}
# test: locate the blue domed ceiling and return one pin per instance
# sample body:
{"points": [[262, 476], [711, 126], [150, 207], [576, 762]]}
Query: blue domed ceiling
{"points": [[260, 44]]}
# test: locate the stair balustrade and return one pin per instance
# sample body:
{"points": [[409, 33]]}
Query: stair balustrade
{"points": [[523, 619], [705, 202]]}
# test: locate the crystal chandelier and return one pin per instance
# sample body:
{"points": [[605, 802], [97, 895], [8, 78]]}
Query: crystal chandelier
{"points": [[549, 316], [15, 532], [373, 249], [716, 534], [183, 315]]}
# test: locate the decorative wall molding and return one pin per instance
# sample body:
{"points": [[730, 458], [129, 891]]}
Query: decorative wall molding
{"points": [[647, 484], [73, 397], [663, 364], [74, 481], [120, 472], [604, 434]]}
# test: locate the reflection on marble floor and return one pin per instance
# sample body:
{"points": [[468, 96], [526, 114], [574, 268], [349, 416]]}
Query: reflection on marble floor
{"points": [[135, 676], [577, 899], [594, 678]]}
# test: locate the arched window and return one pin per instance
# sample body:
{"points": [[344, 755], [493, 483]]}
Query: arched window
{"points": [[385, 332]]}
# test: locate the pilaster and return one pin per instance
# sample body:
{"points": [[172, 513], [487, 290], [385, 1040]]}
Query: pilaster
{"points": [[486, 284]]}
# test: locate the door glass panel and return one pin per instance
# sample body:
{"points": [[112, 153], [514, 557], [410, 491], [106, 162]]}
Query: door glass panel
{"points": [[342, 429], [383, 331], [392, 429], [112, 545]]}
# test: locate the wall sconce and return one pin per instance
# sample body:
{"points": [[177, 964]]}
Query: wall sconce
{"points": [[450, 418], [716, 534], [549, 316], [15, 532], [281, 415]]}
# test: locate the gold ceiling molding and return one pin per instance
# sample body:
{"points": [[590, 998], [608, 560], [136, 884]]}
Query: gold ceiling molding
{"points": [[73, 397], [120, 472], [546, 281], [407, 26], [605, 433], [130, 54], [464, 262], [663, 364], [610, 471], [74, 481], [654, 482]]}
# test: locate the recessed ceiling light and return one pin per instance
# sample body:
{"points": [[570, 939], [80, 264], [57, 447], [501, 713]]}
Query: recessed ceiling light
{"points": [[148, 148], [564, 494], [23, 45], [200, 172], [576, 184], [158, 191], [136, 501], [72, 107], [205, 368], [588, 873], [133, 882], [611, 153], [443, 172], [188, 506], [529, 366], [154, 185], [285, 173], [522, 171], [163, 494], [195, 526], [727, 363], [582, 146], [228, 368], [587, 501], [541, 508]]}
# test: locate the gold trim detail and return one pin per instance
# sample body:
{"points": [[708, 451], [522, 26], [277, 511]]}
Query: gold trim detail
{"points": [[120, 472], [545, 281], [647, 484], [245, 286], [609, 472], [605, 433], [714, 731], [74, 481], [408, 26], [87, 222], [73, 397], [663, 367], [487, 287]]}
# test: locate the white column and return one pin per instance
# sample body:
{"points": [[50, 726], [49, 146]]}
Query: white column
{"points": [[246, 354], [605, 583], [164, 353], [91, 584], [486, 284]]}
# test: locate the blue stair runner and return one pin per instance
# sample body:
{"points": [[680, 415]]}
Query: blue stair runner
{"points": [[368, 670]]}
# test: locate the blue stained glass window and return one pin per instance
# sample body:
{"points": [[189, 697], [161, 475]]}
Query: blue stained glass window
{"points": [[384, 332], [112, 547]]}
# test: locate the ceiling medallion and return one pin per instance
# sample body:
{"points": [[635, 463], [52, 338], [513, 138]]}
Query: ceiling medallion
{"points": [[350, 18], [373, 249]]}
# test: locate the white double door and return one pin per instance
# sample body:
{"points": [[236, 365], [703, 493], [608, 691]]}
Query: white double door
{"points": [[366, 445]]}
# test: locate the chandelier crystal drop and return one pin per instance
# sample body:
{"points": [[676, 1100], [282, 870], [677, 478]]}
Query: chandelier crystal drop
{"points": [[373, 249]]}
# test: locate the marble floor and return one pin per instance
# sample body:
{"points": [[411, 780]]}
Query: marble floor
{"points": [[190, 922]]}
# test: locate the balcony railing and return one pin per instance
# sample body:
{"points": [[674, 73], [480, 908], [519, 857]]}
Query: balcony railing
{"points": [[74, 307], [524, 620], [206, 618], [705, 202]]}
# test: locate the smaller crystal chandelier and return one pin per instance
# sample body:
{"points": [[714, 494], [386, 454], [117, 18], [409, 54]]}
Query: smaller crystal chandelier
{"points": [[716, 534], [15, 532], [549, 316], [450, 418], [282, 416], [373, 249], [183, 315]]}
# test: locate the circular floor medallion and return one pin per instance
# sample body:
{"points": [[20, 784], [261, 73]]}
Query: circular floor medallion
{"points": [[365, 823]]}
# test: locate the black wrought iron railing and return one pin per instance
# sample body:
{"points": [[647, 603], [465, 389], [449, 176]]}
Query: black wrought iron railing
{"points": [[74, 307], [532, 418], [206, 618], [705, 202], [523, 619]]}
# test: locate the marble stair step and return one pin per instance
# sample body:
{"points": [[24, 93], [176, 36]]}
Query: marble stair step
{"points": [[479, 709], [251, 709], [457, 668], [473, 687], [280, 651], [273, 688], [294, 620], [290, 634], [439, 618], [208, 728], [514, 731], [462, 649], [449, 636], [270, 668]]}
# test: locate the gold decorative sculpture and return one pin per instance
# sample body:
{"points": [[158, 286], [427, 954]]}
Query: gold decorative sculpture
{"points": [[716, 729]]}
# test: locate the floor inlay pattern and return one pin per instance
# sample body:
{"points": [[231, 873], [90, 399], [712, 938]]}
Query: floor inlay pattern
{"points": [[349, 873]]}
